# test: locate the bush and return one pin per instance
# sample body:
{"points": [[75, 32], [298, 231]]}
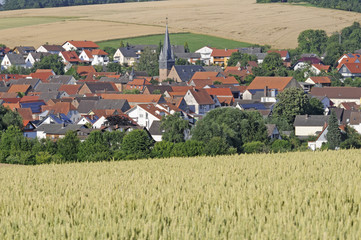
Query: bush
{"points": [[216, 146], [189, 148], [254, 147], [281, 146], [136, 144], [162, 149]]}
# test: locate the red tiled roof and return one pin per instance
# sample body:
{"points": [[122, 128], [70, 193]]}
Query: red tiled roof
{"points": [[30, 99], [15, 88], [59, 107], [353, 67], [337, 92], [99, 52], [202, 97], [133, 98], [8, 77], [271, 82], [70, 89], [283, 53], [204, 75], [71, 56], [85, 70], [219, 91], [231, 69], [84, 44], [320, 80], [223, 52], [88, 53], [43, 76], [321, 67], [25, 113], [181, 88], [349, 60]]}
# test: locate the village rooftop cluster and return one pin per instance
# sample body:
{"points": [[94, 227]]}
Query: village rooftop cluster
{"points": [[51, 104]]}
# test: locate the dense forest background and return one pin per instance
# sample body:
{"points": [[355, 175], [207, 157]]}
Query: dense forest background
{"points": [[21, 4], [348, 5]]}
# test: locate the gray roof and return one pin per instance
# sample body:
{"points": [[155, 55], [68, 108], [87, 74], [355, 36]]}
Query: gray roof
{"points": [[16, 59], [25, 50], [111, 104], [250, 50], [188, 55], [213, 68], [63, 79], [100, 87], [111, 79], [33, 82], [58, 128], [38, 55], [46, 96], [128, 52], [47, 87], [260, 56], [4, 89], [53, 48], [270, 128], [310, 120], [162, 89], [155, 128], [186, 72], [86, 105], [178, 49]]}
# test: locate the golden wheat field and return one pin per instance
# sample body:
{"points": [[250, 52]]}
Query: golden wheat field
{"points": [[274, 196], [242, 20]]}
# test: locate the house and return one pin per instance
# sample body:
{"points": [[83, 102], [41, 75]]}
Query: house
{"points": [[139, 84], [53, 49], [15, 60], [189, 57], [321, 139], [151, 89], [183, 73], [85, 70], [355, 121], [23, 50], [319, 81], [42, 74], [285, 55], [272, 132], [70, 89], [34, 57], [34, 82], [79, 45], [309, 125], [338, 95], [156, 132], [57, 131], [62, 79], [306, 62], [205, 54], [69, 57], [135, 99], [65, 108], [112, 104], [350, 70], [199, 102], [224, 95], [319, 68], [24, 89], [348, 58], [221, 56], [126, 56], [349, 106], [95, 57], [97, 87]]}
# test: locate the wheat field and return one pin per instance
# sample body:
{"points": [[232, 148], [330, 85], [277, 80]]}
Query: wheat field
{"points": [[274, 196], [242, 20]]}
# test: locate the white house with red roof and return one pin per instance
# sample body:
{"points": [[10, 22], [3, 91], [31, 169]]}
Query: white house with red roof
{"points": [[79, 45], [350, 70], [200, 102], [221, 56], [95, 57], [319, 68], [205, 54], [69, 57]]}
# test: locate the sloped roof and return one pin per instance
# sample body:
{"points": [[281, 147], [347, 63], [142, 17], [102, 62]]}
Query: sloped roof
{"points": [[86, 105], [283, 53], [71, 56], [88, 53], [25, 113], [16, 59], [219, 91], [162, 89], [223, 52], [63, 79], [84, 44], [350, 105], [84, 70], [135, 98], [320, 80], [43, 76], [204, 75], [271, 82], [321, 67], [121, 104], [202, 97], [53, 48], [310, 120], [355, 118], [59, 107], [101, 87], [353, 67], [48, 87], [15, 88], [186, 72], [337, 92], [155, 128], [70, 89], [99, 52]]}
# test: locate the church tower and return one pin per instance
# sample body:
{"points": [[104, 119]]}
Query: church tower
{"points": [[166, 58]]}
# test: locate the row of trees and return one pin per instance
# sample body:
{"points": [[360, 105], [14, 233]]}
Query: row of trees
{"points": [[348, 5], [21, 4]]}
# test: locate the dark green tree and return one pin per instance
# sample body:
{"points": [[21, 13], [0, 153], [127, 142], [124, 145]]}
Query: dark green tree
{"points": [[52, 62], [312, 41], [94, 148], [136, 144], [186, 47], [8, 118], [148, 62], [114, 67], [291, 102], [174, 127], [181, 61], [68, 146], [333, 134]]}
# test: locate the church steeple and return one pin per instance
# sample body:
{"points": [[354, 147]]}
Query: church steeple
{"points": [[166, 57]]}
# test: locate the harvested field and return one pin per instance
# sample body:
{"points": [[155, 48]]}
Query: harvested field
{"points": [[242, 20]]}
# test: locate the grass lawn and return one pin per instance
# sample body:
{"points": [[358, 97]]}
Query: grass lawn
{"points": [[195, 41], [14, 22]]}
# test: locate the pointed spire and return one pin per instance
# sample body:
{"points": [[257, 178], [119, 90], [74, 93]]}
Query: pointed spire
{"points": [[166, 56]]}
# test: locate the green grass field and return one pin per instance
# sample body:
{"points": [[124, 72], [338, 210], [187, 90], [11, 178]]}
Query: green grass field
{"points": [[15, 22], [302, 195], [195, 41]]}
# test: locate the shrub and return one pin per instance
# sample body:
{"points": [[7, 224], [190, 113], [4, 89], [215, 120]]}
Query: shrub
{"points": [[216, 146], [254, 147], [281, 146]]}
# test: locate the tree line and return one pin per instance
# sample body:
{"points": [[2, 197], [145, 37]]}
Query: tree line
{"points": [[21, 4], [348, 5]]}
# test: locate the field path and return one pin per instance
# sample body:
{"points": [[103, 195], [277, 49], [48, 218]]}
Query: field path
{"points": [[242, 20]]}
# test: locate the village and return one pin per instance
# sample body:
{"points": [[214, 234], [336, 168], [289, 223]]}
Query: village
{"points": [[51, 105]]}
